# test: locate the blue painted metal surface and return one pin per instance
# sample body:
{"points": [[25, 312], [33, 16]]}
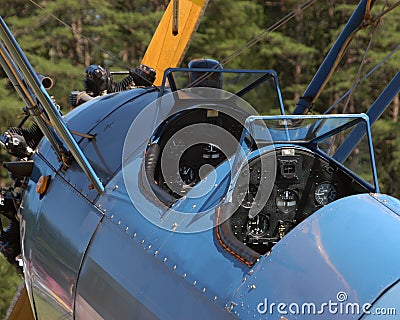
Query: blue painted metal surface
{"points": [[140, 286], [105, 151], [342, 248], [55, 236], [112, 257], [310, 265], [188, 256], [332, 59], [386, 306]]}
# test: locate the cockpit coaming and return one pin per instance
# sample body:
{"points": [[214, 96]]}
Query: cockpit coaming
{"points": [[305, 182], [311, 171]]}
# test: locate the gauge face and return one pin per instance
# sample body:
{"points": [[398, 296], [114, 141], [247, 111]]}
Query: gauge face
{"points": [[238, 225], [247, 200], [210, 152], [187, 174], [324, 193], [258, 226], [249, 197], [286, 201]]}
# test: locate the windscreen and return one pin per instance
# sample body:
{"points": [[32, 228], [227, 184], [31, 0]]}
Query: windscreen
{"points": [[345, 138], [259, 88]]}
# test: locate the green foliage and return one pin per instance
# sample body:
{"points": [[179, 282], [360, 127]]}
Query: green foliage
{"points": [[225, 28], [9, 282], [386, 135]]}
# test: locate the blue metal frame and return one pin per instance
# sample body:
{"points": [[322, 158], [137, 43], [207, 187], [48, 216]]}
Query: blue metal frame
{"points": [[361, 117], [46, 102], [374, 112], [24, 92], [332, 59], [169, 72]]}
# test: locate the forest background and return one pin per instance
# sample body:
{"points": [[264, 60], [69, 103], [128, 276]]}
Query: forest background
{"points": [[115, 34]]}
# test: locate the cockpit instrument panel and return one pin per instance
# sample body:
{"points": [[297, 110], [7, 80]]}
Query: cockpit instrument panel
{"points": [[305, 181]]}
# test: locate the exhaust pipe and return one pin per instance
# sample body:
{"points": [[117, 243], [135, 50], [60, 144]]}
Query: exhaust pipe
{"points": [[23, 71], [47, 82]]}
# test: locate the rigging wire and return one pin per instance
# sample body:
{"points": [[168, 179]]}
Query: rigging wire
{"points": [[358, 75], [109, 53], [234, 54], [267, 31], [80, 33], [377, 21], [250, 43], [363, 79], [297, 10], [384, 12]]}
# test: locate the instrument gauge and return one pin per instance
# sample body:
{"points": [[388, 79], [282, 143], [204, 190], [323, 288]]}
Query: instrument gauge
{"points": [[238, 225], [187, 174], [257, 227], [286, 201], [324, 193], [249, 197]]}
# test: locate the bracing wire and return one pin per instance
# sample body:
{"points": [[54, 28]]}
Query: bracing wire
{"points": [[259, 37], [369, 73], [377, 21], [91, 41], [250, 43], [233, 55], [109, 53], [267, 31], [357, 78], [384, 12]]}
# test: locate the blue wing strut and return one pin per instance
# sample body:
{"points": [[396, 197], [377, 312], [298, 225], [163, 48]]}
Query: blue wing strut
{"points": [[333, 58], [374, 112], [24, 71]]}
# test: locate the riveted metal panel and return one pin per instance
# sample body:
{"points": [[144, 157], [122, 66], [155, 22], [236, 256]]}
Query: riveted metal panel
{"points": [[121, 280], [343, 254], [59, 227]]}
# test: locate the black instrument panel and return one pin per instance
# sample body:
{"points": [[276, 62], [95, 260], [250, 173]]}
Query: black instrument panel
{"points": [[198, 159], [305, 182]]}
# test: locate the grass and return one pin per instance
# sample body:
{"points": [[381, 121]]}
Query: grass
{"points": [[9, 282]]}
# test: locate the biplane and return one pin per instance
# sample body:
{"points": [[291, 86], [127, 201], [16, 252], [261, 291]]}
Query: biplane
{"points": [[175, 199]]}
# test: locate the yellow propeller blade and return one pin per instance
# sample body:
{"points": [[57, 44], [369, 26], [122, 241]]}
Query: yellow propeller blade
{"points": [[166, 50]]}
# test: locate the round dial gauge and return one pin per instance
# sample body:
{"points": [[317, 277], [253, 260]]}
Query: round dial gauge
{"points": [[324, 193], [247, 200], [238, 225], [258, 226], [249, 197], [286, 201], [187, 174]]}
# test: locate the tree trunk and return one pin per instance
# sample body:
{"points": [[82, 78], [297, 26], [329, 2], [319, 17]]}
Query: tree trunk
{"points": [[396, 103], [79, 45]]}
